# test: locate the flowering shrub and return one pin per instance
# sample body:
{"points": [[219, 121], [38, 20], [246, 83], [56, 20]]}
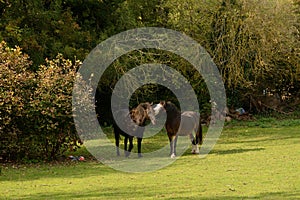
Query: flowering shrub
{"points": [[51, 107], [36, 107], [17, 83]]}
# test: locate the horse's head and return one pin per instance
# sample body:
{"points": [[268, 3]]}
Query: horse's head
{"points": [[142, 112], [167, 107], [159, 107], [151, 113]]}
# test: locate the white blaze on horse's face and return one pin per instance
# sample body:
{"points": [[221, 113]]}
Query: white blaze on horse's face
{"points": [[157, 108]]}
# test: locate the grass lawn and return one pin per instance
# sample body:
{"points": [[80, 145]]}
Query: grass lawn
{"points": [[257, 160]]}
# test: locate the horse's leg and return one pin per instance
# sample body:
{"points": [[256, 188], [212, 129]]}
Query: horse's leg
{"points": [[139, 141], [171, 145], [175, 143], [117, 139], [130, 146], [192, 138], [172, 140], [125, 145], [199, 134], [195, 148], [199, 137]]}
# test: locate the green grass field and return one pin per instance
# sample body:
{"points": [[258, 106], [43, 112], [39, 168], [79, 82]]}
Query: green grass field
{"points": [[253, 160]]}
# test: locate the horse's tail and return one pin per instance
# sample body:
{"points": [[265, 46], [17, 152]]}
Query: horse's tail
{"points": [[199, 134]]}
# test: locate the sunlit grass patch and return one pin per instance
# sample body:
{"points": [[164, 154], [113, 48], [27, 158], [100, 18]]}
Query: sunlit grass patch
{"points": [[248, 162]]}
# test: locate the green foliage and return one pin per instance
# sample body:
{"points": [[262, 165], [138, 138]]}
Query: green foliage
{"points": [[150, 92], [252, 42], [43, 29], [136, 13]]}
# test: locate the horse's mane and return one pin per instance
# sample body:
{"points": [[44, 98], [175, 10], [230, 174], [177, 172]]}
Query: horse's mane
{"points": [[143, 105], [171, 107]]}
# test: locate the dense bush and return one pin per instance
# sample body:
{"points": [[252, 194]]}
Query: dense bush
{"points": [[36, 107], [17, 83], [51, 107]]}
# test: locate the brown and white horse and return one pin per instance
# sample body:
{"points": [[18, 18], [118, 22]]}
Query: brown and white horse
{"points": [[180, 124]]}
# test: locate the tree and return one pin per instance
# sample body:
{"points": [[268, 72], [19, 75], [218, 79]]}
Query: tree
{"points": [[43, 29], [252, 42]]}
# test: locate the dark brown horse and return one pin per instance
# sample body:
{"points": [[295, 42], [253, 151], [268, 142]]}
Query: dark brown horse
{"points": [[180, 124], [139, 115]]}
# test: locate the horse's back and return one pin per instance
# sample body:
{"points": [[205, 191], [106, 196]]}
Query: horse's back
{"points": [[122, 122], [189, 122], [190, 116]]}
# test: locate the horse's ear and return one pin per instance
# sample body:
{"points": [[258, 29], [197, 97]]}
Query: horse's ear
{"points": [[162, 103], [151, 103]]}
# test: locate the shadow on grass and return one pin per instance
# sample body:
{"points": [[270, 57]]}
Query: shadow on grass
{"points": [[117, 193], [267, 195], [263, 140], [235, 151], [44, 171]]}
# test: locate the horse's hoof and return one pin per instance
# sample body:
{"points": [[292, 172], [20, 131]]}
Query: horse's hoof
{"points": [[195, 152], [140, 155], [173, 156], [195, 149], [127, 154]]}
